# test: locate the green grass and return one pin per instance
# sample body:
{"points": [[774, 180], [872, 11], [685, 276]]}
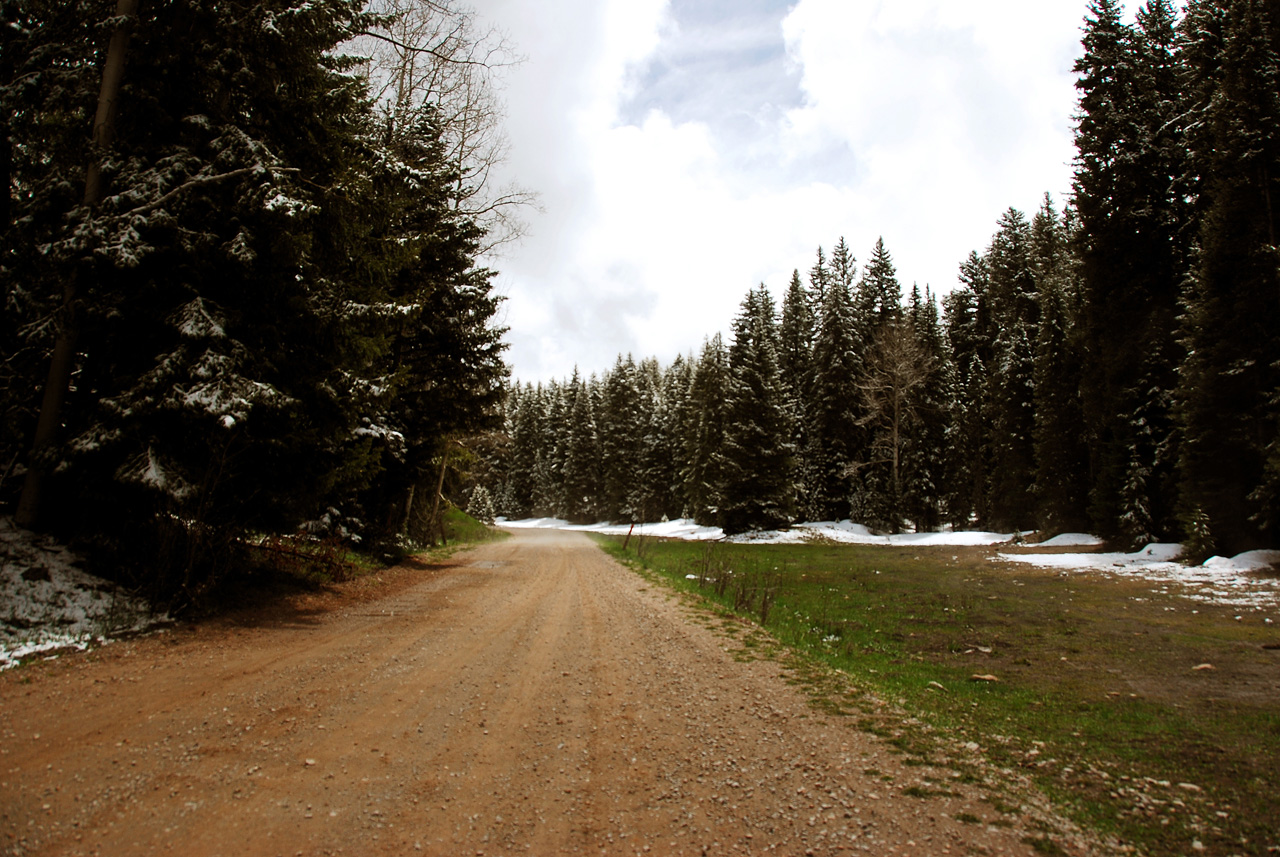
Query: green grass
{"points": [[1096, 698], [317, 563], [462, 529]]}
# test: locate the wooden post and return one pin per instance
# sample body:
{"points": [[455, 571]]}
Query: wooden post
{"points": [[627, 540]]}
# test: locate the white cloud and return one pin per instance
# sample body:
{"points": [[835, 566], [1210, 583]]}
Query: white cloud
{"points": [[671, 184]]}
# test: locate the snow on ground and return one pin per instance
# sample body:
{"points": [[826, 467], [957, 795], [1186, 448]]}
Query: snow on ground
{"points": [[1071, 540], [47, 603], [1233, 581], [678, 529], [835, 531]]}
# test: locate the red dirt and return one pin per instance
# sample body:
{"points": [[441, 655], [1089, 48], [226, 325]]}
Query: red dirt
{"points": [[529, 697]]}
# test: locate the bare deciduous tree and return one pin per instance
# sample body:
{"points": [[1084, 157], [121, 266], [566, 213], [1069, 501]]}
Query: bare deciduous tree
{"points": [[896, 366], [430, 55]]}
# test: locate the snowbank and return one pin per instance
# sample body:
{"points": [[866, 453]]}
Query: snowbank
{"points": [[1231, 581], [1153, 554], [1071, 540], [836, 531], [678, 529], [47, 603]]}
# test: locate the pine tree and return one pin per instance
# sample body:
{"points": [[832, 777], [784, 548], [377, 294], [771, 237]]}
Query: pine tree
{"points": [[581, 482], [649, 494], [269, 292], [835, 440], [670, 426], [704, 442], [1130, 195], [877, 302], [621, 440], [757, 452], [1230, 379], [879, 294], [1015, 317], [548, 500], [925, 451], [1062, 456], [968, 331], [795, 365]]}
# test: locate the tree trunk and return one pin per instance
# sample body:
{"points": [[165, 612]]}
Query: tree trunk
{"points": [[64, 349], [435, 509]]}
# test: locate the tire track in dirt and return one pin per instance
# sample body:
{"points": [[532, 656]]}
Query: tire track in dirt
{"points": [[534, 698]]}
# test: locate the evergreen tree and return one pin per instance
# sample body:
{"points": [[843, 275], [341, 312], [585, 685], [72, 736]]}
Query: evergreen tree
{"points": [[819, 280], [795, 365], [879, 297], [877, 302], [1231, 376], [704, 441], [1062, 456], [581, 481], [670, 426], [1015, 316], [924, 450], [268, 293], [1130, 195], [835, 440], [650, 496], [968, 333], [548, 501], [621, 440], [757, 452]]}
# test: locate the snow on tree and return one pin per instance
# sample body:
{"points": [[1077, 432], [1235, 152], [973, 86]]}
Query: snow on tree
{"points": [[757, 455]]}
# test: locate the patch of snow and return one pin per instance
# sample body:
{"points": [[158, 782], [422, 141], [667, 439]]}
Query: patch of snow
{"points": [[836, 531], [49, 603], [1219, 580], [535, 523], [1071, 540], [1153, 554], [1248, 561]]}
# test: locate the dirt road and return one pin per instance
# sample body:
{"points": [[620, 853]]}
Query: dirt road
{"points": [[534, 697]]}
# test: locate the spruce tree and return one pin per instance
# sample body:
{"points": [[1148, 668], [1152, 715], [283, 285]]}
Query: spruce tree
{"points": [[835, 440], [581, 469], [1130, 195], [925, 451], [621, 440], [757, 452], [1015, 319], [704, 440], [795, 364], [968, 331], [1062, 456], [1230, 379]]}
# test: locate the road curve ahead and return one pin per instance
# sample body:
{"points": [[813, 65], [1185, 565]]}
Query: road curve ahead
{"points": [[533, 697]]}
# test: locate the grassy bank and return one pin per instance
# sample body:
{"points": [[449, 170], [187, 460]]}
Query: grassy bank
{"points": [[1087, 684], [316, 563]]}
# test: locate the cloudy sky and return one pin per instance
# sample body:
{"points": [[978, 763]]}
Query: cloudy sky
{"points": [[685, 150]]}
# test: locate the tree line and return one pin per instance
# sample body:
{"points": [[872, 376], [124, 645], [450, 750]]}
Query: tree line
{"points": [[1113, 367], [241, 293]]}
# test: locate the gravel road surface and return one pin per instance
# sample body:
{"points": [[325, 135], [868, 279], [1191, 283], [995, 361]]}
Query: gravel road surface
{"points": [[528, 697]]}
